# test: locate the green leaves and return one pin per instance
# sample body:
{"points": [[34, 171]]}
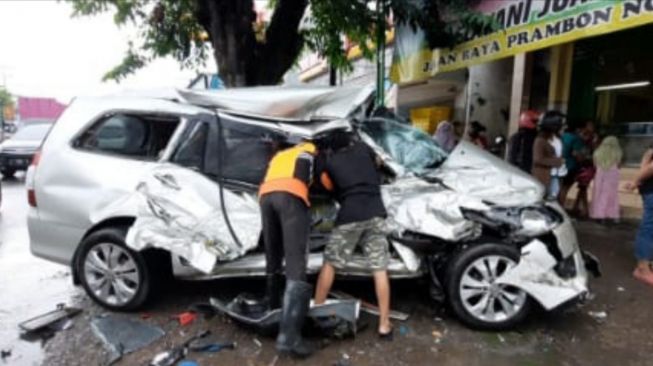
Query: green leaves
{"points": [[172, 28], [5, 98], [331, 21], [165, 28]]}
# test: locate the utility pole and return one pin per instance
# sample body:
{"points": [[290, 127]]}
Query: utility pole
{"points": [[380, 53]]}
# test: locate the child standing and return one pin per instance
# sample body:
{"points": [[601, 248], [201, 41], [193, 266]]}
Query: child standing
{"points": [[605, 195]]}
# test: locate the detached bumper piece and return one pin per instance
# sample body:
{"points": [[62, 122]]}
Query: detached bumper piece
{"points": [[334, 318]]}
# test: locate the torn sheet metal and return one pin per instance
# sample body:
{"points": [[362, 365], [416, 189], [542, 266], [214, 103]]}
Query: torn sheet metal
{"points": [[369, 307], [408, 256], [290, 103], [179, 210], [122, 335], [345, 310], [472, 171], [45, 320], [429, 209], [565, 232], [535, 274]]}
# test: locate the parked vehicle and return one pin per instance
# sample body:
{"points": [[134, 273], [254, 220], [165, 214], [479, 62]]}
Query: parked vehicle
{"points": [[168, 183], [17, 152]]}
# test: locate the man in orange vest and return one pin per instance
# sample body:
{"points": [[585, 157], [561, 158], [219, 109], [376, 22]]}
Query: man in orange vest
{"points": [[286, 227]]}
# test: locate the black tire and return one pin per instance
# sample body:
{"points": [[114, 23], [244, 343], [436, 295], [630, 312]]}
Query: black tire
{"points": [[116, 236], [8, 173], [456, 269]]}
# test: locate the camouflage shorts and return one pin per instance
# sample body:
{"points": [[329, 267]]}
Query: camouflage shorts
{"points": [[370, 235]]}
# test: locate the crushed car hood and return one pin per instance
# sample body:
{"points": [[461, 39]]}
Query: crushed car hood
{"points": [[431, 209], [472, 171]]}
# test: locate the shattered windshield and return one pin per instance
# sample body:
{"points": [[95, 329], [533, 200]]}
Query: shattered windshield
{"points": [[413, 149]]}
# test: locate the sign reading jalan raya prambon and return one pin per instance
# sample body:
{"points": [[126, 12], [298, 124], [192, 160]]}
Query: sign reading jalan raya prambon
{"points": [[526, 25]]}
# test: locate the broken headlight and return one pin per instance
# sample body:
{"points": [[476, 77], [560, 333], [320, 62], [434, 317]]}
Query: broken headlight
{"points": [[526, 221]]}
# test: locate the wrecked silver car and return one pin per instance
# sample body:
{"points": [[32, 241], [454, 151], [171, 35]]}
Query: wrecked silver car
{"points": [[166, 183]]}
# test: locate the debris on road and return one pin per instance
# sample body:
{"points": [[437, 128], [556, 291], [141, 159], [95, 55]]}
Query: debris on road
{"points": [[5, 353], [437, 336], [258, 343], [121, 336], [203, 308], [403, 330], [176, 354], [598, 315], [43, 327], [42, 321], [188, 363], [274, 360], [250, 312], [621, 289], [199, 345], [186, 318], [368, 307]]}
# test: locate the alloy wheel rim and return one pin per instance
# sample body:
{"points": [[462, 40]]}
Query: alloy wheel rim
{"points": [[111, 274], [485, 299]]}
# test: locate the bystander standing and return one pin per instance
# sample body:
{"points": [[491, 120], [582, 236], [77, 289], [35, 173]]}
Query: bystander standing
{"points": [[605, 192], [520, 149], [644, 239], [544, 155]]}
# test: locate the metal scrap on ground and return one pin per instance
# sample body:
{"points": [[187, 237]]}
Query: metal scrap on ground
{"points": [[368, 307], [122, 335], [43, 321]]}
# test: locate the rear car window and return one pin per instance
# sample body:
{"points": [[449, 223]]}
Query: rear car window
{"points": [[134, 136], [246, 151], [192, 150]]}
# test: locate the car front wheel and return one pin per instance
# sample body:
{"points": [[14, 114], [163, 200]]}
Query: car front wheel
{"points": [[475, 297], [113, 275]]}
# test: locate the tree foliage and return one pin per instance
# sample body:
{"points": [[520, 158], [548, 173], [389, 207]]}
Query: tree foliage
{"points": [[250, 52], [5, 97]]}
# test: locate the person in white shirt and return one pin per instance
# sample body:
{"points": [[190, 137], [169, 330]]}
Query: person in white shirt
{"points": [[553, 190]]}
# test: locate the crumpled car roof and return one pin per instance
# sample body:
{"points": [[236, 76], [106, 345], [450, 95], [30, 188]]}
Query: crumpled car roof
{"points": [[282, 103]]}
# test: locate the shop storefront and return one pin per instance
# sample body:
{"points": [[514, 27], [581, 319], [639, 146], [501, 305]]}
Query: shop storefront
{"points": [[580, 57], [611, 84]]}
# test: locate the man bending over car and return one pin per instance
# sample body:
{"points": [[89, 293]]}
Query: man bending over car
{"points": [[350, 173]]}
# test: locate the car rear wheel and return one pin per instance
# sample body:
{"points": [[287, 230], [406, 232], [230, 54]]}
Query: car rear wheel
{"points": [[8, 173], [475, 297], [113, 275]]}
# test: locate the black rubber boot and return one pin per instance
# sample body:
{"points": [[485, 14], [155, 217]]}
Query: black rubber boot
{"points": [[273, 288], [296, 301]]}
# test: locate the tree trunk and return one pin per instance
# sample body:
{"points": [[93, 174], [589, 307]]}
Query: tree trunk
{"points": [[241, 59]]}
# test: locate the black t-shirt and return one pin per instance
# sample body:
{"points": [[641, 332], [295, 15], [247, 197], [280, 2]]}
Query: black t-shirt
{"points": [[356, 183], [646, 187], [521, 148]]}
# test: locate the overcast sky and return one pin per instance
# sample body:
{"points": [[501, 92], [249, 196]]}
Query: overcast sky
{"points": [[45, 52]]}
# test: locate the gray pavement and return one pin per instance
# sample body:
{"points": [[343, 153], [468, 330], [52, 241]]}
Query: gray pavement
{"points": [[571, 336]]}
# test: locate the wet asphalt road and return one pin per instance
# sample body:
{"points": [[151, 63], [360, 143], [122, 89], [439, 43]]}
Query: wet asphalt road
{"points": [[29, 286]]}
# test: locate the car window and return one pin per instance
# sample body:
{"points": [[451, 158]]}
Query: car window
{"points": [[408, 146], [32, 133], [245, 151], [192, 149], [142, 137]]}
